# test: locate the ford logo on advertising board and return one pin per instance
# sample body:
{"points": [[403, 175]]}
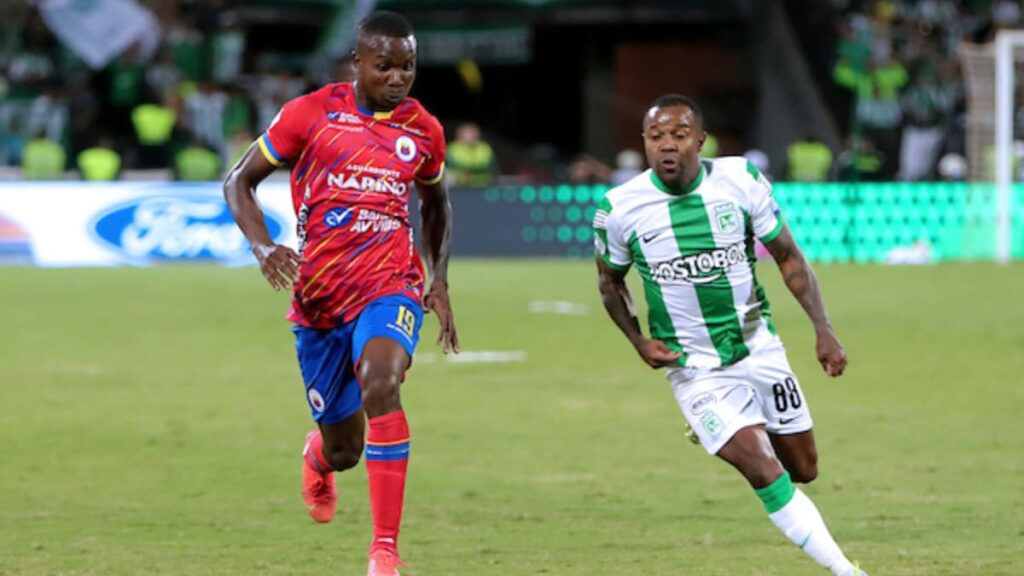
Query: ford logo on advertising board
{"points": [[178, 227]]}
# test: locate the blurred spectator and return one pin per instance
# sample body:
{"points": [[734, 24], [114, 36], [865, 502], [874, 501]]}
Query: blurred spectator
{"points": [[808, 160], [125, 90], [710, 149], [760, 161], [342, 71], [928, 108], [238, 114], [186, 44], [46, 114], [31, 102], [227, 47], [154, 126], [585, 169], [238, 143], [628, 164], [470, 160], [99, 163], [877, 106], [272, 92], [204, 115], [164, 76], [42, 159], [542, 163], [860, 162], [1006, 14]]}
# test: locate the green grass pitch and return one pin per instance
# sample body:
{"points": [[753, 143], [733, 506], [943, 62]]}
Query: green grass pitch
{"points": [[151, 423]]}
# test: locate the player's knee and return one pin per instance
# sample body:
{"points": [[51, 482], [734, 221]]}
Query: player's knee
{"points": [[380, 394], [763, 476], [805, 473], [343, 458]]}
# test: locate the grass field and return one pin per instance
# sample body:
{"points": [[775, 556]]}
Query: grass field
{"points": [[151, 422]]}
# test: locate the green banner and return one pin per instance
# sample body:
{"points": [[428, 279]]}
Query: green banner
{"points": [[863, 223]]}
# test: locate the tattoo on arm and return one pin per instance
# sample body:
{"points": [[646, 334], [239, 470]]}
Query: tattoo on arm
{"points": [[618, 302], [799, 278]]}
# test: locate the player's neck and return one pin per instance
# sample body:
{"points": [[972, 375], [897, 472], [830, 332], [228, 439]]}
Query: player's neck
{"points": [[365, 105], [683, 185]]}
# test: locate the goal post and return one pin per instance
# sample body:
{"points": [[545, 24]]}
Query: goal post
{"points": [[1008, 42], [992, 82]]}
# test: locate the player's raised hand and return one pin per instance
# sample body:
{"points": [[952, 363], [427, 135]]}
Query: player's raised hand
{"points": [[279, 264], [437, 300], [831, 353], [656, 354]]}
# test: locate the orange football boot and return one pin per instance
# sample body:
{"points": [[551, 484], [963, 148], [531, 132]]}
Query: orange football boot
{"points": [[318, 488]]}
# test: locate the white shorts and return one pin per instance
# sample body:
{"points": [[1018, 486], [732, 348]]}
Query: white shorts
{"points": [[760, 389]]}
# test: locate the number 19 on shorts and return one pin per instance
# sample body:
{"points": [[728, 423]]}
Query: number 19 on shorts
{"points": [[406, 320]]}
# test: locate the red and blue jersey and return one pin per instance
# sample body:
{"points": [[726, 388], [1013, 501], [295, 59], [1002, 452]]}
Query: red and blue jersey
{"points": [[352, 174]]}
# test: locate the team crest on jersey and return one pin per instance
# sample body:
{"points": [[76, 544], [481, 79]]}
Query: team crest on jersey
{"points": [[405, 148], [316, 400], [726, 217]]}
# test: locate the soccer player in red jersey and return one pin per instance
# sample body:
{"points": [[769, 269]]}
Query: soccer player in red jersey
{"points": [[355, 150]]}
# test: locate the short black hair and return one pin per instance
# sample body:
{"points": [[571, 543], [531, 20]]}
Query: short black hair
{"points": [[678, 100], [386, 23]]}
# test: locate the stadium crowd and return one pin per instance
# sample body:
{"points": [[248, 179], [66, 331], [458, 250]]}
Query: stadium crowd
{"points": [[897, 64], [193, 103]]}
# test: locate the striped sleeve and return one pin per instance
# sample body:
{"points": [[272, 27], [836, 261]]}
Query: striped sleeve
{"points": [[432, 169], [609, 244], [285, 138], [765, 215]]}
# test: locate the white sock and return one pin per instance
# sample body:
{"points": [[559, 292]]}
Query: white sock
{"points": [[801, 522]]}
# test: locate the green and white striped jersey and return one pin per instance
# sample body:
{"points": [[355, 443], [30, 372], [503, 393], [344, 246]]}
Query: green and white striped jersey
{"points": [[694, 249]]}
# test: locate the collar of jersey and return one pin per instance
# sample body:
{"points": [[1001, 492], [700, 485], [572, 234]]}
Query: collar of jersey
{"points": [[381, 115], [678, 191]]}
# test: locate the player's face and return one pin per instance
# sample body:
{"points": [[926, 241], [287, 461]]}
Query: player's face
{"points": [[385, 69], [673, 137]]}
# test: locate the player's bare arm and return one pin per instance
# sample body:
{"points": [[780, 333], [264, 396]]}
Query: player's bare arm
{"points": [[619, 304], [436, 215], [802, 282], [279, 264]]}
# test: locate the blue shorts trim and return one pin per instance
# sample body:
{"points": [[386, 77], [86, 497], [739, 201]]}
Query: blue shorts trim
{"points": [[328, 358]]}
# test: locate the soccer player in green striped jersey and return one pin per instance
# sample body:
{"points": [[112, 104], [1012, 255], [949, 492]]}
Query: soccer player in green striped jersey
{"points": [[688, 226]]}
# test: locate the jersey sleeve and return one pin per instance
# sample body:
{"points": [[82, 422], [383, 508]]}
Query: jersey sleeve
{"points": [[432, 169], [284, 139], [609, 243], [765, 215]]}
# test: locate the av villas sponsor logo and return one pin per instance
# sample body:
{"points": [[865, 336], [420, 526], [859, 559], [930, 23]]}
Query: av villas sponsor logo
{"points": [[177, 227]]}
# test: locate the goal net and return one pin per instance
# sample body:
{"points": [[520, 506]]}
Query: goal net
{"points": [[994, 78]]}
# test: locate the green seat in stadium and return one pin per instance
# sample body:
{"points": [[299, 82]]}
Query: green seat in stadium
{"points": [[99, 164], [42, 159], [197, 164]]}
